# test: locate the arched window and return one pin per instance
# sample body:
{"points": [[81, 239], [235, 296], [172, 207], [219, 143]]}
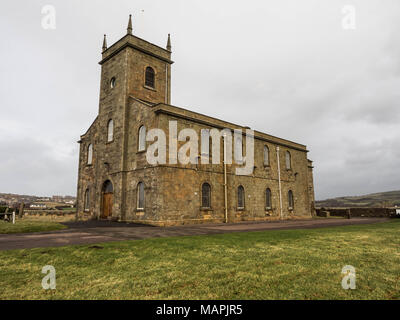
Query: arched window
{"points": [[266, 156], [206, 195], [90, 154], [86, 200], [205, 144], [268, 202], [288, 160], [108, 187], [240, 197], [142, 138], [290, 199], [149, 78], [140, 195], [110, 131], [238, 151]]}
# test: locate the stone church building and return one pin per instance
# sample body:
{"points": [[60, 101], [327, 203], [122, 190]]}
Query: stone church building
{"points": [[116, 181]]}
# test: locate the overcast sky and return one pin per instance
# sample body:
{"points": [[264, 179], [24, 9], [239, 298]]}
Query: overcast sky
{"points": [[287, 68]]}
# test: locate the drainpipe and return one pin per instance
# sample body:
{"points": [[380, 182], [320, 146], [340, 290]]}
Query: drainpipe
{"points": [[225, 183], [279, 181]]}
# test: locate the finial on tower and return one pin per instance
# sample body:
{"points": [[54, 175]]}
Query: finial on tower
{"points": [[130, 25], [104, 43], [169, 42]]}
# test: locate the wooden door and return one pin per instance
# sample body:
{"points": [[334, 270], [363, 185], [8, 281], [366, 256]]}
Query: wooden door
{"points": [[107, 205]]}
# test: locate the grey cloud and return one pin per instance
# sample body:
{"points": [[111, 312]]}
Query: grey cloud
{"points": [[31, 166]]}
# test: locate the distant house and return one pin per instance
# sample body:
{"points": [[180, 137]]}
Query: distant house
{"points": [[38, 206]]}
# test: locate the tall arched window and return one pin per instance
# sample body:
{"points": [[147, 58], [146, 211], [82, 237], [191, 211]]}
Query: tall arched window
{"points": [[266, 156], [149, 77], [288, 160], [110, 130], [205, 145], [90, 154], [86, 200], [238, 149], [206, 195], [268, 202], [290, 199], [240, 196], [140, 195], [108, 187], [142, 138]]}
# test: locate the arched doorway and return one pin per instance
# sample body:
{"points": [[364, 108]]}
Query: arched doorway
{"points": [[107, 200]]}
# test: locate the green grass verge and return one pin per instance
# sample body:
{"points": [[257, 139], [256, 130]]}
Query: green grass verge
{"points": [[27, 226], [284, 264]]}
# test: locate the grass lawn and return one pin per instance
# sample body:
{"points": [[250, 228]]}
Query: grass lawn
{"points": [[29, 225], [289, 264]]}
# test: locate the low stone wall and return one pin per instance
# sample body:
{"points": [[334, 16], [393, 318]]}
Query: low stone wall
{"points": [[355, 212], [48, 212]]}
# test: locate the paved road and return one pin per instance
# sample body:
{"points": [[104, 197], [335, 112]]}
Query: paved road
{"points": [[99, 231]]}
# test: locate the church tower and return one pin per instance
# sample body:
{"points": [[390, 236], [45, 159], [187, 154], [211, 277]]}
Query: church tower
{"points": [[135, 67], [132, 69]]}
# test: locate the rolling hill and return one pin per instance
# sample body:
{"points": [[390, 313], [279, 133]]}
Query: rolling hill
{"points": [[381, 199]]}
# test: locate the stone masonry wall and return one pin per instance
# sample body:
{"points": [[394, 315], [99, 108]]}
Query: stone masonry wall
{"points": [[355, 212]]}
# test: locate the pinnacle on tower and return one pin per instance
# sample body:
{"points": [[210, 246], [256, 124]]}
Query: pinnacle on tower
{"points": [[169, 43], [104, 43], [129, 29]]}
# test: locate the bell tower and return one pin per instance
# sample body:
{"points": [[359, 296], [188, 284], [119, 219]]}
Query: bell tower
{"points": [[135, 67]]}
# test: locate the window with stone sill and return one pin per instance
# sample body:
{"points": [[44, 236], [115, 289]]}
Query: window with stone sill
{"points": [[149, 77], [266, 156], [206, 196], [140, 196], [290, 200], [268, 202], [110, 131], [142, 139], [205, 145], [288, 160], [238, 150], [240, 198], [89, 154], [86, 200]]}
